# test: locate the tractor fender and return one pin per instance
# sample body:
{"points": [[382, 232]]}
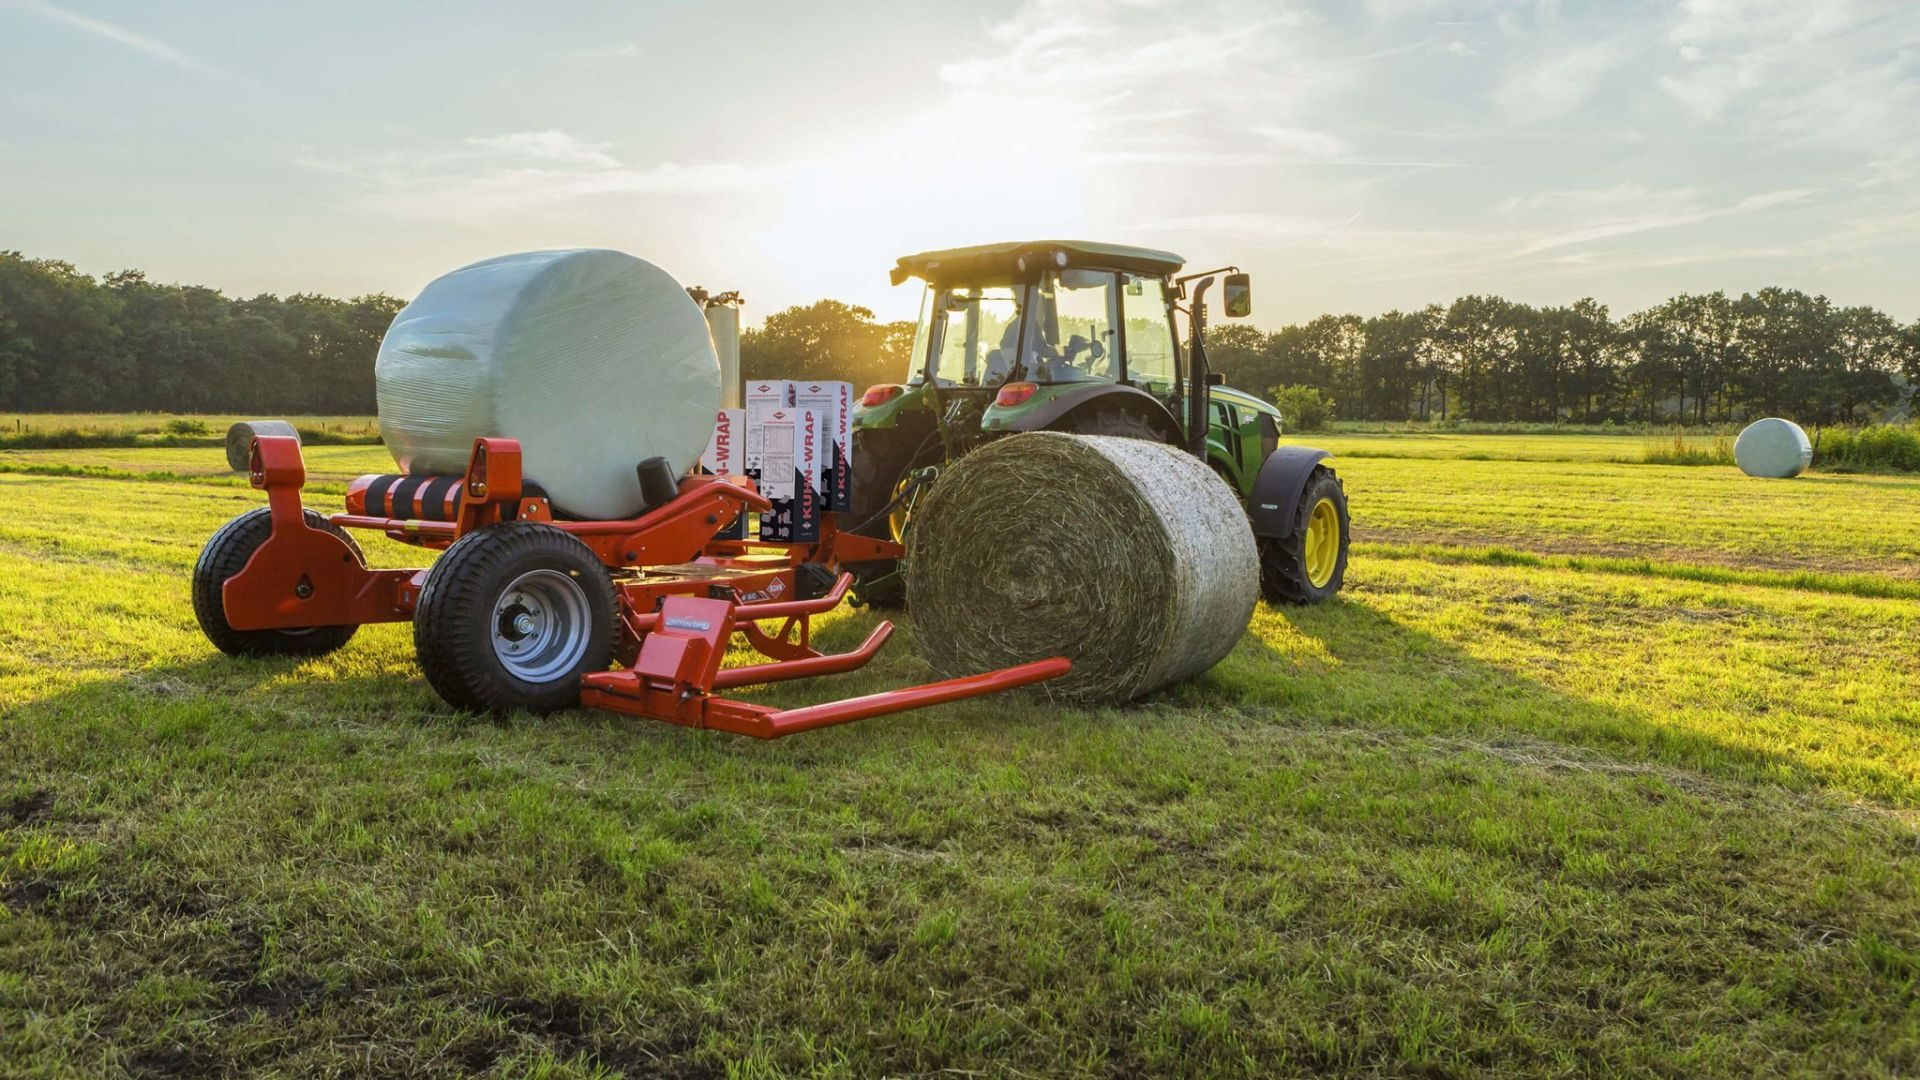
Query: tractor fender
{"points": [[1276, 491], [1112, 394]]}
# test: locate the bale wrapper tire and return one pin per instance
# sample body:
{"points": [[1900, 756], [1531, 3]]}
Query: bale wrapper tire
{"points": [[512, 616], [1130, 557], [225, 555]]}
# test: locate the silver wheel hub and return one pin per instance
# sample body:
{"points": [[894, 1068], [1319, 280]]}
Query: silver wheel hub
{"points": [[541, 623]]}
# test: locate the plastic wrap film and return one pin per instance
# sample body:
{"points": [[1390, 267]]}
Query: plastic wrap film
{"points": [[593, 360], [1129, 557], [1773, 448]]}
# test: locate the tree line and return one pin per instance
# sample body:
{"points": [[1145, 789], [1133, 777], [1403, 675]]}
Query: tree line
{"points": [[122, 343], [70, 342], [1695, 359]]}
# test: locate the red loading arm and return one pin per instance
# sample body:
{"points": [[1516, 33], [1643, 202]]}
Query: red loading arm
{"points": [[789, 721], [678, 669]]}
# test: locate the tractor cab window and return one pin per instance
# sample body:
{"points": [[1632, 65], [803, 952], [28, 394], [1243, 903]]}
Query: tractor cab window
{"points": [[1071, 337], [1150, 352], [972, 332]]}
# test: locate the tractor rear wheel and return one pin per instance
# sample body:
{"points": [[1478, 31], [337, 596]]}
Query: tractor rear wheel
{"points": [[512, 616], [225, 555], [1308, 566], [883, 463]]}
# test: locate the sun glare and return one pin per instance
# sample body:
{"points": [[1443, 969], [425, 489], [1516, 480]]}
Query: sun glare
{"points": [[970, 172]]}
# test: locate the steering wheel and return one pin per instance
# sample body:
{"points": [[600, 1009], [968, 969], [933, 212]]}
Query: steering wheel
{"points": [[1078, 344]]}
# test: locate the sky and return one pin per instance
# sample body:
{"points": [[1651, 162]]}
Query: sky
{"points": [[1354, 156]]}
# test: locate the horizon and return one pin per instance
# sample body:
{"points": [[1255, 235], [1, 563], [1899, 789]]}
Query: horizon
{"points": [[1354, 159]]}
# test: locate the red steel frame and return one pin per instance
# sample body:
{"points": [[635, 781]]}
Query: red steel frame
{"points": [[667, 561]]}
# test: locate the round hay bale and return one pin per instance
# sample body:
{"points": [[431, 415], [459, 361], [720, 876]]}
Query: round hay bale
{"points": [[1773, 448], [1131, 558], [241, 435]]}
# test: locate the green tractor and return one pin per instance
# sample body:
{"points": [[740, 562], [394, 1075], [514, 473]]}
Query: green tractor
{"points": [[1080, 337]]}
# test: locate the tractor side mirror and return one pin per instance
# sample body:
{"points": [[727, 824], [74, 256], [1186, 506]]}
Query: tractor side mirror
{"points": [[1216, 378], [1239, 289]]}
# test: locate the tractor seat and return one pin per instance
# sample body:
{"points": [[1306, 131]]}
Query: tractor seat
{"points": [[416, 498]]}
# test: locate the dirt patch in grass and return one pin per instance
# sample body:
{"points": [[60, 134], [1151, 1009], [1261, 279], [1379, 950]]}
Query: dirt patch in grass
{"points": [[565, 1025], [27, 894], [34, 806], [174, 1061]]}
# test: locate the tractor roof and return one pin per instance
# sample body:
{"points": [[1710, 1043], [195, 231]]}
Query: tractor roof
{"points": [[1005, 261]]}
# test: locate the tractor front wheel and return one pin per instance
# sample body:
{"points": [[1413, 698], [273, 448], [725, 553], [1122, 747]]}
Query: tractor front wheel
{"points": [[512, 616], [225, 555], [1309, 565]]}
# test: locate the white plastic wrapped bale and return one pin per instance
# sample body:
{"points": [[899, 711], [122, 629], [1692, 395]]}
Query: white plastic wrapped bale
{"points": [[1773, 448], [593, 360], [1129, 557]]}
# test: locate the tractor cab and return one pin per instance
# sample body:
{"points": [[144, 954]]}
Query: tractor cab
{"points": [[1022, 329], [1071, 336]]}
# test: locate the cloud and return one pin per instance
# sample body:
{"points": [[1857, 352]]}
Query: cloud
{"points": [[1132, 78], [485, 176], [113, 32], [1306, 144], [1545, 86], [1651, 211], [550, 145]]}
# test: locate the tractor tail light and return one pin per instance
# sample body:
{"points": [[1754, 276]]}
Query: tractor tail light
{"points": [[1015, 393], [880, 394]]}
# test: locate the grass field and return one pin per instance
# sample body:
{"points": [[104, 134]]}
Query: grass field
{"points": [[152, 423], [1596, 767], [147, 431]]}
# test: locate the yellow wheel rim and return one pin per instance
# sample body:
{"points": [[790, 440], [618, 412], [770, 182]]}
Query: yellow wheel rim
{"points": [[1323, 543], [897, 517]]}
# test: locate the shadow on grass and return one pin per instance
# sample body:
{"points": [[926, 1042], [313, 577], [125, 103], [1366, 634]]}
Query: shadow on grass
{"points": [[1347, 665], [1343, 665]]}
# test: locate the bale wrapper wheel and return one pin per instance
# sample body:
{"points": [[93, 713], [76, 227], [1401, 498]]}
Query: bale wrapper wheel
{"points": [[523, 611]]}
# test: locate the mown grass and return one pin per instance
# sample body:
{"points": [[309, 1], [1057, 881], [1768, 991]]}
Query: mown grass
{"points": [[1451, 446], [1698, 516], [1495, 811], [94, 431], [328, 467]]}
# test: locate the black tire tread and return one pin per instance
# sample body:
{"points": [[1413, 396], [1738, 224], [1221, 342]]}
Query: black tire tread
{"points": [[225, 555], [1283, 575], [877, 467], [459, 591]]}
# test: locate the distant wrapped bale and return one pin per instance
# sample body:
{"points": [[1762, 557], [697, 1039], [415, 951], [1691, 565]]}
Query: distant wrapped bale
{"points": [[241, 435], [594, 360], [1131, 558], [1773, 448]]}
